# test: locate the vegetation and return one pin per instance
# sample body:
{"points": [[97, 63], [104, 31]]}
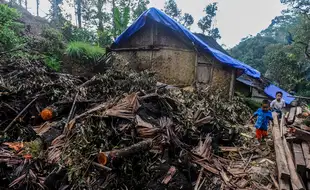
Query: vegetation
{"points": [[206, 23], [284, 44], [9, 28], [84, 51], [52, 63]]}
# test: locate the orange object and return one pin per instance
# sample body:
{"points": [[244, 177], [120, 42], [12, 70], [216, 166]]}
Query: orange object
{"points": [[27, 156], [102, 158], [305, 114], [46, 114], [17, 146], [261, 133]]}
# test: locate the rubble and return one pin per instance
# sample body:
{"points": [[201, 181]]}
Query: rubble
{"points": [[119, 130]]}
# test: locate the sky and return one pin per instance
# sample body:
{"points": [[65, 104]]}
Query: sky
{"points": [[235, 19]]}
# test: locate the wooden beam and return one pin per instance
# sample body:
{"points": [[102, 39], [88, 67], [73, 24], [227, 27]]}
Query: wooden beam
{"points": [[282, 125], [295, 180], [306, 153], [298, 111], [284, 185], [283, 170], [300, 163], [302, 134], [291, 116]]}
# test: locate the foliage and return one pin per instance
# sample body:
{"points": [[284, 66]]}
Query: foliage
{"points": [[294, 68], [171, 9], [252, 50], [9, 28], [52, 63], [84, 51], [138, 8], [205, 23], [52, 43], [187, 20], [121, 19], [254, 105]]}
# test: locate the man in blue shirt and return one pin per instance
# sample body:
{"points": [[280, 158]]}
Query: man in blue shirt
{"points": [[263, 116]]}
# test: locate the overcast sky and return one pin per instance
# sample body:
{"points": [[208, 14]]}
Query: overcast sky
{"points": [[235, 19]]}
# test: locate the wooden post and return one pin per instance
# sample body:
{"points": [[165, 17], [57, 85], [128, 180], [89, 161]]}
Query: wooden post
{"points": [[300, 163], [295, 180], [283, 170], [306, 153], [291, 116]]}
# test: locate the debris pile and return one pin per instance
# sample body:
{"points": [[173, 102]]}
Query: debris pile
{"points": [[292, 137], [118, 130]]}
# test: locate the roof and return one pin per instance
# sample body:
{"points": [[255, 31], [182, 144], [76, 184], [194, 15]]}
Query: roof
{"points": [[271, 91], [211, 42], [246, 82], [158, 16]]}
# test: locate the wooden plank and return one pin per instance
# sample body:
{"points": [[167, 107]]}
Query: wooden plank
{"points": [[282, 166], [306, 153], [284, 185], [295, 180], [302, 134], [298, 111], [229, 149], [300, 163], [282, 125], [291, 116]]}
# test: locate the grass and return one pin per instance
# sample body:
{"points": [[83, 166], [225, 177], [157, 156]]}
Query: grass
{"points": [[84, 51], [52, 63]]}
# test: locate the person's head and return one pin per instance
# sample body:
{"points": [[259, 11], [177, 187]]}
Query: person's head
{"points": [[279, 96], [265, 105]]}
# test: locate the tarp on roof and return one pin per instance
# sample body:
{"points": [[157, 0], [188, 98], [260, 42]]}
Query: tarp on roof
{"points": [[271, 91], [160, 17], [211, 42], [246, 82]]}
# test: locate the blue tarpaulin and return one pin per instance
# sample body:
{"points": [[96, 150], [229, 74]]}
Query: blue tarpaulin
{"points": [[160, 17], [271, 91]]}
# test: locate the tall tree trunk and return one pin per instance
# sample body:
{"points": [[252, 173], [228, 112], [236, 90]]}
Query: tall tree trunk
{"points": [[114, 28], [100, 20], [26, 4], [55, 10], [20, 2], [79, 12], [38, 4]]}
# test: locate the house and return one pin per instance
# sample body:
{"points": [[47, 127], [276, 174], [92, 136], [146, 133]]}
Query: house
{"points": [[158, 43], [260, 89]]}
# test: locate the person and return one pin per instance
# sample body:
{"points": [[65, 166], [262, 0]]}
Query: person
{"points": [[264, 116], [278, 104]]}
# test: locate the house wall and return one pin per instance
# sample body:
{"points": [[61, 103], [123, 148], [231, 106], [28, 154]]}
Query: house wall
{"points": [[220, 77], [174, 60]]}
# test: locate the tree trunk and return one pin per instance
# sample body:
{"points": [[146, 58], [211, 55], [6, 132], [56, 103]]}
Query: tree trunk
{"points": [[38, 4], [79, 12], [114, 28], [26, 4]]}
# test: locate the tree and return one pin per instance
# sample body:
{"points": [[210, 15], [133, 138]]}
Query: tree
{"points": [[252, 50], [78, 4], [205, 23], [298, 6], [138, 8], [187, 20], [171, 9], [294, 71], [38, 5]]}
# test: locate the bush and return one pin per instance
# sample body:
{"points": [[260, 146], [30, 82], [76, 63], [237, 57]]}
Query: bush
{"points": [[254, 105], [52, 63], [52, 42], [9, 28], [84, 51]]}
